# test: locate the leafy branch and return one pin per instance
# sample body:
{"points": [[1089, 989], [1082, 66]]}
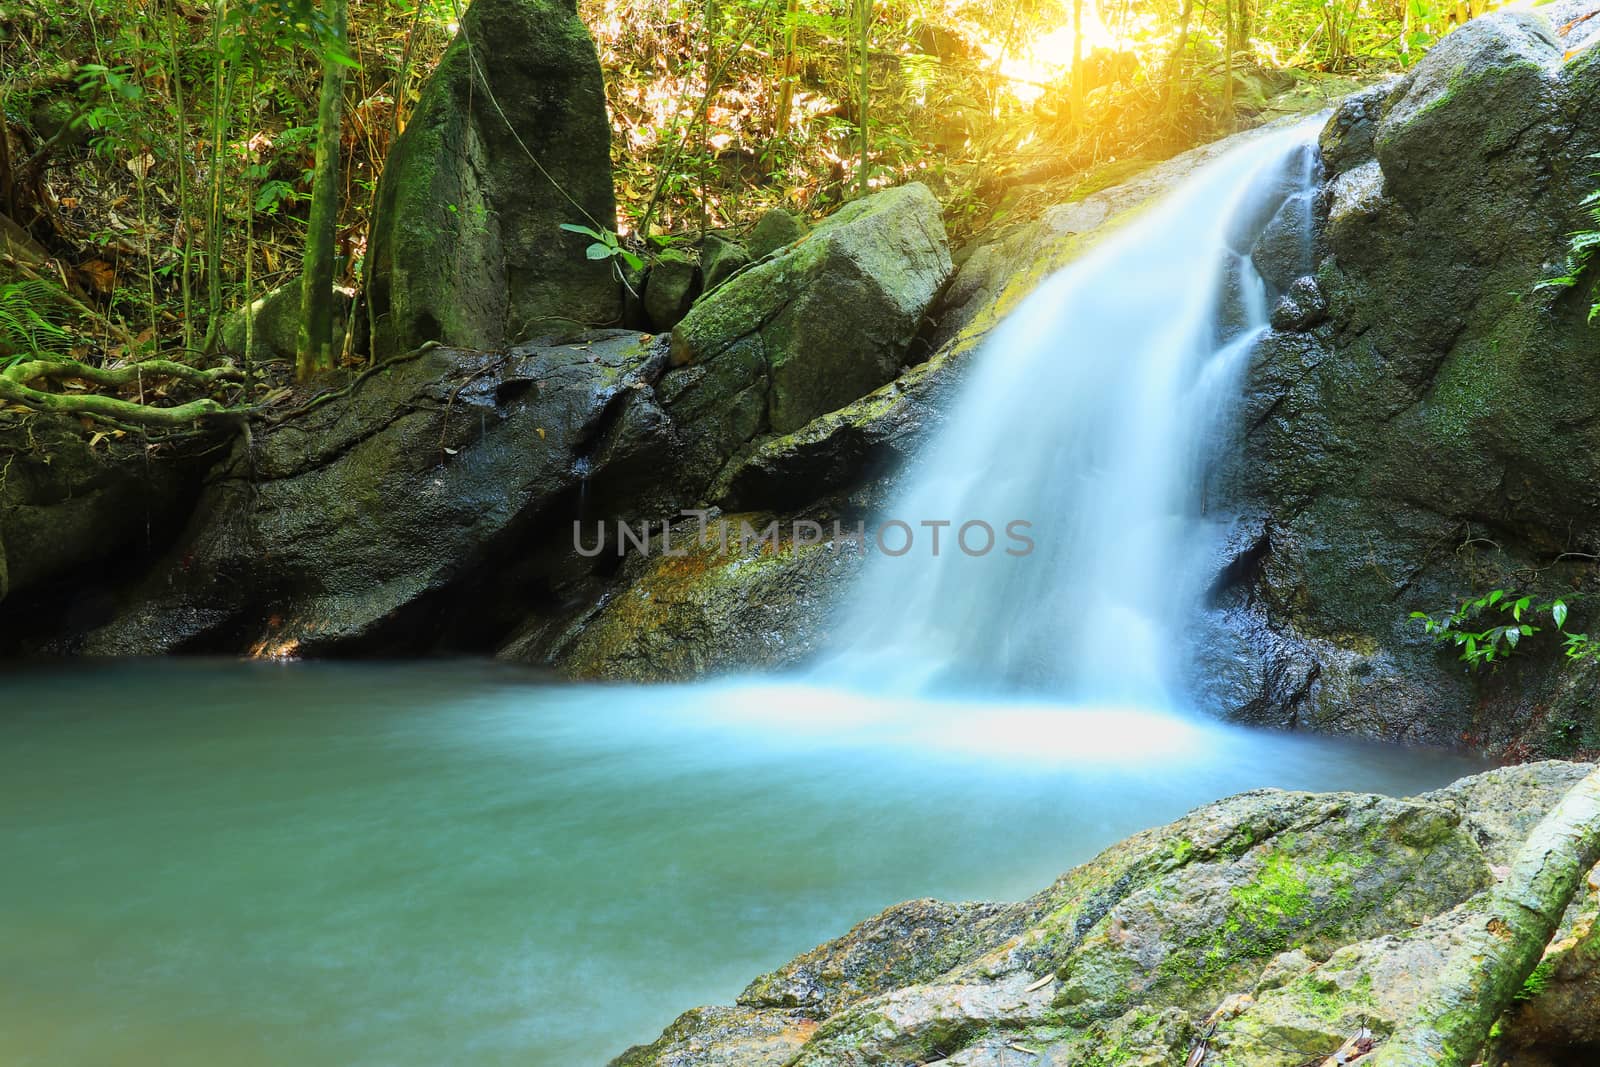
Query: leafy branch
{"points": [[1511, 616], [607, 245], [1581, 253]]}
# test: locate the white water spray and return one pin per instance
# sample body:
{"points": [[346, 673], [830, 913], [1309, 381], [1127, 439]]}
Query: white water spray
{"points": [[1093, 413]]}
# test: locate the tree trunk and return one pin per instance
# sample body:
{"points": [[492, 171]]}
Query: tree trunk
{"points": [[1228, 47], [1077, 65], [865, 30], [315, 347], [1484, 973], [791, 59], [1174, 71]]}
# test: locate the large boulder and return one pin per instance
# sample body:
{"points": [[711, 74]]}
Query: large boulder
{"points": [[1264, 930], [1419, 426], [431, 508], [509, 142], [813, 329]]}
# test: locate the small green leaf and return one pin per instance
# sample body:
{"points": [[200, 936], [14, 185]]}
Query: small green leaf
{"points": [[632, 260], [1520, 606], [599, 250], [1513, 636], [573, 227], [1558, 611]]}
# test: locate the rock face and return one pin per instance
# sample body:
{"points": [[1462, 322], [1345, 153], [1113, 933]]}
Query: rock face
{"points": [[509, 142], [77, 516], [743, 591], [1260, 931], [376, 525], [430, 504], [1418, 428]]}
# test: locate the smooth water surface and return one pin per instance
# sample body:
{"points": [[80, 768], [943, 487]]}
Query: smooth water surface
{"points": [[245, 864]]}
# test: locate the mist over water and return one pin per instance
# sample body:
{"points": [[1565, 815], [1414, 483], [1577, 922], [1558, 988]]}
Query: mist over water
{"points": [[1093, 413]]}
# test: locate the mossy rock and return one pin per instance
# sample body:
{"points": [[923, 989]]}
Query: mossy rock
{"points": [[510, 141], [1263, 930], [774, 231], [810, 330], [275, 335]]}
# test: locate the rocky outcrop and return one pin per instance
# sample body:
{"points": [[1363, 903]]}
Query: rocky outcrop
{"points": [[430, 503], [509, 142], [745, 591], [1264, 930], [1419, 426], [344, 530], [815, 328]]}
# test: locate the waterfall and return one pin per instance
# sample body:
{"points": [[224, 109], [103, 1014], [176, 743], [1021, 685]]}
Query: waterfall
{"points": [[1091, 414]]}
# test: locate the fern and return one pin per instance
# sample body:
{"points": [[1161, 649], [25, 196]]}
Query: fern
{"points": [[1582, 250], [32, 320]]}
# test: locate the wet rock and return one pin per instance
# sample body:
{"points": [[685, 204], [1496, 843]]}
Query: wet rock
{"points": [[1372, 984], [907, 944], [1501, 807], [1301, 307], [1346, 141], [755, 590], [76, 517], [369, 525], [510, 141], [1478, 93], [724, 1037], [865, 443], [1387, 422], [1283, 253], [1218, 921]]}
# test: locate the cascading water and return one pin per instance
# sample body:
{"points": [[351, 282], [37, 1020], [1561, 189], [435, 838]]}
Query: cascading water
{"points": [[1092, 414]]}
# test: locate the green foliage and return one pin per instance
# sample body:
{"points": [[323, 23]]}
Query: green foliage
{"points": [[33, 320], [607, 245], [1536, 982], [1582, 248], [1509, 614]]}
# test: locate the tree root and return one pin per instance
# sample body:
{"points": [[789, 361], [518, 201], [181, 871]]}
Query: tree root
{"points": [[1484, 972], [19, 384]]}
